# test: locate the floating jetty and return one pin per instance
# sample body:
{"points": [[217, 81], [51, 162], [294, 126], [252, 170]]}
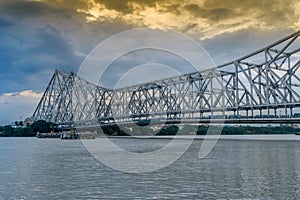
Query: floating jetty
{"points": [[68, 135], [48, 135], [77, 135], [65, 135]]}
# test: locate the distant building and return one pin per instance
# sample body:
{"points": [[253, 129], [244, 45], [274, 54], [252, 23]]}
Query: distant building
{"points": [[28, 121]]}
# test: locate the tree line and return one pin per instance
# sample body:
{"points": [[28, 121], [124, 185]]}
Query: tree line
{"points": [[46, 127], [19, 130], [200, 130]]}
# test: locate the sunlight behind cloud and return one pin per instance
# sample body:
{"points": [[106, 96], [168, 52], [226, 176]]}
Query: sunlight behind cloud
{"points": [[98, 12], [204, 19]]}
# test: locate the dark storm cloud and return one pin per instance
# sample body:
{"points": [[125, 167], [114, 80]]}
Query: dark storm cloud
{"points": [[230, 46], [28, 48], [23, 58], [5, 23], [21, 9], [53, 42], [131, 60], [264, 10], [39, 36], [123, 6], [195, 10], [214, 14]]}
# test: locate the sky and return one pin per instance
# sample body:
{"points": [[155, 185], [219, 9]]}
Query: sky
{"points": [[39, 36]]}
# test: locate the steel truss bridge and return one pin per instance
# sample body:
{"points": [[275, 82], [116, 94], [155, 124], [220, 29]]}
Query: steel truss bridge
{"points": [[262, 87]]}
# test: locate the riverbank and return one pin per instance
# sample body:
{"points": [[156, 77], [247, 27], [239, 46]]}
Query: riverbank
{"points": [[268, 137], [130, 130]]}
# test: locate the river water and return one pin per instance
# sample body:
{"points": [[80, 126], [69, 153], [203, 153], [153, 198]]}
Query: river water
{"points": [[32, 168]]}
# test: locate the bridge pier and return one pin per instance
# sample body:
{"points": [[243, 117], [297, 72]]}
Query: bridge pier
{"points": [[260, 113]]}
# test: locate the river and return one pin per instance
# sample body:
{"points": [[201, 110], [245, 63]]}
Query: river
{"points": [[32, 168]]}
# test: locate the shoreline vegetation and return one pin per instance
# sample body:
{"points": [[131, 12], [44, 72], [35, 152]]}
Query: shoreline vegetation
{"points": [[19, 130], [200, 130]]}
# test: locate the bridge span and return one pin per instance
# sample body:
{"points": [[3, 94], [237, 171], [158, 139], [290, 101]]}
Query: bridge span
{"points": [[262, 87]]}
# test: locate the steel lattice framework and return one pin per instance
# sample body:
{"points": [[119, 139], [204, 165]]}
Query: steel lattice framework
{"points": [[264, 84]]}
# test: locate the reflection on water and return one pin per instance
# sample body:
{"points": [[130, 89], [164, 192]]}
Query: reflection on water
{"points": [[33, 168]]}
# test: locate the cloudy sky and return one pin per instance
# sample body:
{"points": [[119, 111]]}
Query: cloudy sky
{"points": [[37, 37]]}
